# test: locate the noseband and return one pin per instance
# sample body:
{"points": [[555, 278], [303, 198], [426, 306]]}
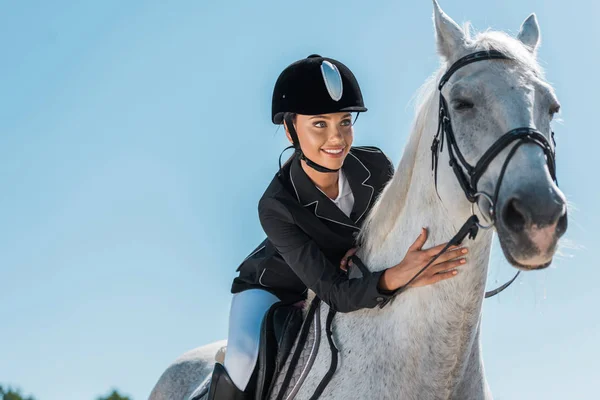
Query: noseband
{"points": [[468, 176]]}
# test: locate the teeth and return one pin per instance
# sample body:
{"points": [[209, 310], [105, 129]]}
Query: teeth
{"points": [[333, 151]]}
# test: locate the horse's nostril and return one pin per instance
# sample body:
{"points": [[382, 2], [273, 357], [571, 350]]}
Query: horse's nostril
{"points": [[561, 226], [514, 216]]}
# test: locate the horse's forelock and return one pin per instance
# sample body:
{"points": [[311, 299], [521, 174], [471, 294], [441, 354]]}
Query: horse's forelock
{"points": [[512, 47]]}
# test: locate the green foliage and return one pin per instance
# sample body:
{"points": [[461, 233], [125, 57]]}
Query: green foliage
{"points": [[10, 394], [13, 394], [114, 396]]}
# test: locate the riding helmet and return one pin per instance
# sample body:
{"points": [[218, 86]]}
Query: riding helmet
{"points": [[315, 85]]}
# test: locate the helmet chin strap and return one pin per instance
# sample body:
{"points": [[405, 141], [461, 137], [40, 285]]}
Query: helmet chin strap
{"points": [[290, 125]]}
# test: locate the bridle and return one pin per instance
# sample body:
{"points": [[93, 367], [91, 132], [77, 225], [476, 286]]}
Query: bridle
{"points": [[468, 175], [468, 180]]}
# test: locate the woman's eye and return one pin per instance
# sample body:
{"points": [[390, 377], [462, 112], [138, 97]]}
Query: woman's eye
{"points": [[462, 104], [346, 122], [320, 124]]}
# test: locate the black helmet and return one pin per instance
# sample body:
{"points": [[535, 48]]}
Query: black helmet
{"points": [[311, 86], [315, 85]]}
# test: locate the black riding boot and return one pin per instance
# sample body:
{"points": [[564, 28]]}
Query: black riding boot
{"points": [[223, 388]]}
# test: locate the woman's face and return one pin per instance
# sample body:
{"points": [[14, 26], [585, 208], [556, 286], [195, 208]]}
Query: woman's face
{"points": [[325, 139]]}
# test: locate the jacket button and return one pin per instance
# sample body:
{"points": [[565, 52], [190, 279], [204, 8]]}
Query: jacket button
{"points": [[379, 299]]}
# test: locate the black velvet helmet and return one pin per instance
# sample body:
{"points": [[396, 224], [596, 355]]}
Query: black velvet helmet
{"points": [[315, 85]]}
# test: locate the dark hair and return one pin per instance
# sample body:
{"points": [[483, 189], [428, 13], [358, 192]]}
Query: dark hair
{"points": [[290, 115]]}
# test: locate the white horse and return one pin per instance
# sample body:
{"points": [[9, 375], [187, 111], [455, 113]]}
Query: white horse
{"points": [[426, 343]]}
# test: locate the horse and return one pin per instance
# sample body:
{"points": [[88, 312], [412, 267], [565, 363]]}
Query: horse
{"points": [[425, 344]]}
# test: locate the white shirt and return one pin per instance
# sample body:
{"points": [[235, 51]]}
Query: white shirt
{"points": [[345, 198]]}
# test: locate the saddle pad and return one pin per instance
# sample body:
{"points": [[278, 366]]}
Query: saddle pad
{"points": [[310, 347]]}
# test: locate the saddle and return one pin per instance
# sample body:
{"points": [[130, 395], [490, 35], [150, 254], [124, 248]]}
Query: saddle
{"points": [[279, 329]]}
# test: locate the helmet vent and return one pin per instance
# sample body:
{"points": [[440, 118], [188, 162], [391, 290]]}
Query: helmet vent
{"points": [[332, 79]]}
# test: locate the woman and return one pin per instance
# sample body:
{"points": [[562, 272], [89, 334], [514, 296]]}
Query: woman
{"points": [[312, 212]]}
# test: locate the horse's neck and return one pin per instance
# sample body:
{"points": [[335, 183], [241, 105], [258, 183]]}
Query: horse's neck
{"points": [[424, 209], [434, 328]]}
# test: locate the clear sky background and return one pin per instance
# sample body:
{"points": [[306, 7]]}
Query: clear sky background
{"points": [[135, 142]]}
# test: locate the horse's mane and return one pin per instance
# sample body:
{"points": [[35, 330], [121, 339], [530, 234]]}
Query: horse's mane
{"points": [[388, 207], [390, 204]]}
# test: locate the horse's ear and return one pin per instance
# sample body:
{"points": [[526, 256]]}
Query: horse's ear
{"points": [[450, 37], [530, 33]]}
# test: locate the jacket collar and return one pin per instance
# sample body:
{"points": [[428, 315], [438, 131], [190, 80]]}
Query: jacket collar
{"points": [[358, 176]]}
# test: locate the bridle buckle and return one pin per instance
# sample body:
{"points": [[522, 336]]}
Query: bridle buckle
{"points": [[491, 210]]}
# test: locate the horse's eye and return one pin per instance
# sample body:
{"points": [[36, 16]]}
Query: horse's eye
{"points": [[461, 104], [554, 109]]}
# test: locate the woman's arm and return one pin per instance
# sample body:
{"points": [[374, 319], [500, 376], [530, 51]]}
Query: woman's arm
{"points": [[332, 285], [306, 259]]}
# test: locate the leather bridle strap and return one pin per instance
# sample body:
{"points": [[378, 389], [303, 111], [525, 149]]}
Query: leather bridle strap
{"points": [[471, 58], [445, 126], [334, 357], [524, 134]]}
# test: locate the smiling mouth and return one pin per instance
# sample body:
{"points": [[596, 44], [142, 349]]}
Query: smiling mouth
{"points": [[334, 152]]}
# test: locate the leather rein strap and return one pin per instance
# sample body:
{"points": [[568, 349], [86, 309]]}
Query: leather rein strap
{"points": [[299, 347]]}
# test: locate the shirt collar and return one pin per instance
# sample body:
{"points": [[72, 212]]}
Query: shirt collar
{"points": [[356, 180]]}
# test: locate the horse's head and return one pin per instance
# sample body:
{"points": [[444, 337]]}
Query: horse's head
{"points": [[486, 100]]}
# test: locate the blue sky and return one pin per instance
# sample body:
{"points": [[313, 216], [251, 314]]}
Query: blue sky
{"points": [[135, 142]]}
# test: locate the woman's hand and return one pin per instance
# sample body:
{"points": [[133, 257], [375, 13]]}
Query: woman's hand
{"points": [[344, 263], [442, 268]]}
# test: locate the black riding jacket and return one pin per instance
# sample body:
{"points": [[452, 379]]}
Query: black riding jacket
{"points": [[307, 235]]}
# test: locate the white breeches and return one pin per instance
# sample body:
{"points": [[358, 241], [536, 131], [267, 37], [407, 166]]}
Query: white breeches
{"points": [[245, 318]]}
